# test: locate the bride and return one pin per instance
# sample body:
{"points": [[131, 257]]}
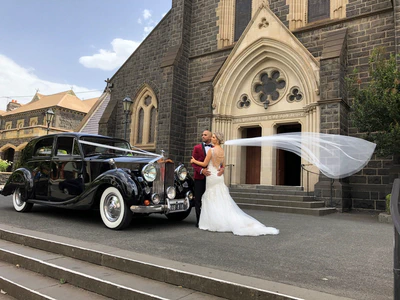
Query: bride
{"points": [[219, 211]]}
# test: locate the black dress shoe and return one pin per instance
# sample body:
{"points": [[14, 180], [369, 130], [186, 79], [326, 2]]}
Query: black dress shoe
{"points": [[197, 225]]}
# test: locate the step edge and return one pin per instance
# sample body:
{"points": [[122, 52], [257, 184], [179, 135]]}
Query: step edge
{"points": [[79, 275], [175, 280]]}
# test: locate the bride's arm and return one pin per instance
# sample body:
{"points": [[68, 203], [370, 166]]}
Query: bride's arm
{"points": [[202, 163]]}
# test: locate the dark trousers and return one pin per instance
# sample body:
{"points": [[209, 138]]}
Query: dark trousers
{"points": [[199, 188]]}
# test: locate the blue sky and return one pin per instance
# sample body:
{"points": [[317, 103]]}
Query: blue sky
{"points": [[53, 45]]}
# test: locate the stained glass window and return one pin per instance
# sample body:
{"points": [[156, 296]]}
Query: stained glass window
{"points": [[242, 16]]}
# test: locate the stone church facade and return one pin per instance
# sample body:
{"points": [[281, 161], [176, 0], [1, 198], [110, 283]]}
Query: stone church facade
{"points": [[255, 68]]}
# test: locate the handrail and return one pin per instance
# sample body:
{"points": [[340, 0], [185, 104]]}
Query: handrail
{"points": [[394, 203], [394, 208], [308, 181], [308, 176]]}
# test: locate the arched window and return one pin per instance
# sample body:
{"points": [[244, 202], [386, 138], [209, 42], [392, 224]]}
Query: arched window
{"points": [[233, 18], [139, 139], [152, 132], [242, 16], [144, 119], [318, 10], [303, 12], [33, 121]]}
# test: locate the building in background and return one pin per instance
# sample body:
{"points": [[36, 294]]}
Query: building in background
{"points": [[20, 123]]}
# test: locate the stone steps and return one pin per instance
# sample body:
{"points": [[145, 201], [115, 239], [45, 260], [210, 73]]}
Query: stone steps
{"points": [[287, 199], [269, 196], [303, 204], [39, 268], [294, 210], [86, 280]]}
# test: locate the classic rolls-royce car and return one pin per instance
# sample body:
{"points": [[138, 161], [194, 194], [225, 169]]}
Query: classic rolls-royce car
{"points": [[81, 171]]}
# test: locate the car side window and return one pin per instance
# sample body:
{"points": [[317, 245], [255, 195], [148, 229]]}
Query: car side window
{"points": [[43, 147], [76, 150], [65, 146]]}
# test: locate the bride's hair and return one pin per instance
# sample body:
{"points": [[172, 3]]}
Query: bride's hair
{"points": [[220, 137]]}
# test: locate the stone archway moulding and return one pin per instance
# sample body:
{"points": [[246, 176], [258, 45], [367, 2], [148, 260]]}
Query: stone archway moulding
{"points": [[262, 50], [7, 146], [21, 147]]}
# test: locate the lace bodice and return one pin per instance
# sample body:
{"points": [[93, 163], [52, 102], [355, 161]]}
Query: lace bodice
{"points": [[217, 157]]}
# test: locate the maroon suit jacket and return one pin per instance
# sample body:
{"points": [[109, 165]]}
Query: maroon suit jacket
{"points": [[199, 153]]}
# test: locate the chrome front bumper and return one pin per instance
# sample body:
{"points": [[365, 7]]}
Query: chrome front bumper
{"points": [[172, 206]]}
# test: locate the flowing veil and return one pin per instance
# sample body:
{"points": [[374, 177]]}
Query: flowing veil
{"points": [[337, 156]]}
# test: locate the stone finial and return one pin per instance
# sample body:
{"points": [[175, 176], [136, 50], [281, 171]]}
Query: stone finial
{"points": [[109, 85], [265, 3]]}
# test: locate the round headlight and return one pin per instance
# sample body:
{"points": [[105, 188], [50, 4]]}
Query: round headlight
{"points": [[182, 172], [171, 192], [189, 195], [155, 198], [149, 172]]}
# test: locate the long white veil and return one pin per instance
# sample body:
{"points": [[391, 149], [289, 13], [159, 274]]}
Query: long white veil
{"points": [[336, 156]]}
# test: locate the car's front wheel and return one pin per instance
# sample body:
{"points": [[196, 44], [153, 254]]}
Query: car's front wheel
{"points": [[19, 203], [113, 209]]}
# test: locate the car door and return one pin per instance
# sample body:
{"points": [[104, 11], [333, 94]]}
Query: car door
{"points": [[66, 178], [41, 167]]}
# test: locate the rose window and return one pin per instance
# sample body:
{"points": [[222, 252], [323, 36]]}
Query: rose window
{"points": [[268, 87]]}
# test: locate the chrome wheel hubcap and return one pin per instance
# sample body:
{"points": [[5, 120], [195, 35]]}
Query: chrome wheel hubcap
{"points": [[18, 198], [112, 207]]}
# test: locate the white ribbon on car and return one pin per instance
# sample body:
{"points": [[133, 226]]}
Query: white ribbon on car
{"points": [[140, 151], [336, 156]]}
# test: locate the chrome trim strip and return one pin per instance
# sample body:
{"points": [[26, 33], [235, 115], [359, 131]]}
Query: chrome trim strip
{"points": [[148, 209]]}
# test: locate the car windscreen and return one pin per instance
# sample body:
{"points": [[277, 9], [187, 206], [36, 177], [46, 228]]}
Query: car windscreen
{"points": [[102, 149]]}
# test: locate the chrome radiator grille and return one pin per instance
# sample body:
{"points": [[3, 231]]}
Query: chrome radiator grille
{"points": [[165, 178], [169, 174]]}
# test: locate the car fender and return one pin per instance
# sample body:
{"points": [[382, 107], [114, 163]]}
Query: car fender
{"points": [[120, 180], [21, 178]]}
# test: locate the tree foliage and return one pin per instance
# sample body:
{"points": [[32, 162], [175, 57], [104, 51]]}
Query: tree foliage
{"points": [[4, 164], [376, 107]]}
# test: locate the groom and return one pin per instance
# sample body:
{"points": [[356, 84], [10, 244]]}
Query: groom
{"points": [[199, 153]]}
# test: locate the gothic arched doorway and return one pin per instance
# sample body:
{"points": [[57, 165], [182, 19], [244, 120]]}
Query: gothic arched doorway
{"points": [[253, 157], [288, 168], [9, 155]]}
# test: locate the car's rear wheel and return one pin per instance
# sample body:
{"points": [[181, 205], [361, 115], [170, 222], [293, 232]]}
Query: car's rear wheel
{"points": [[179, 216], [113, 209], [19, 202]]}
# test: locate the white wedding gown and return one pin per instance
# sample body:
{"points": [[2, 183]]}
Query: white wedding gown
{"points": [[219, 212]]}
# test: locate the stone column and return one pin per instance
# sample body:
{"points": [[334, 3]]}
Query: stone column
{"points": [[334, 113], [173, 94]]}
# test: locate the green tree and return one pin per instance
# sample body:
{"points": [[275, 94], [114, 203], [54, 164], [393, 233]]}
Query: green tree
{"points": [[376, 107], [4, 164]]}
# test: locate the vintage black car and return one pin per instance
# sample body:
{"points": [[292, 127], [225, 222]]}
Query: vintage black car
{"points": [[81, 171]]}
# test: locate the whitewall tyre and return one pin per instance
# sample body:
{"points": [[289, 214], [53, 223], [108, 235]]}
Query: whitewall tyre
{"points": [[18, 201], [113, 209]]}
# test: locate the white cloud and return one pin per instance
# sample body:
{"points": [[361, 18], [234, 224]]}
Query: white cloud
{"points": [[147, 29], [121, 49], [110, 59], [19, 81], [146, 14]]}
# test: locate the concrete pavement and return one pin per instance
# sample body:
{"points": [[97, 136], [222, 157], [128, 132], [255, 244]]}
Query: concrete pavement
{"points": [[346, 255]]}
